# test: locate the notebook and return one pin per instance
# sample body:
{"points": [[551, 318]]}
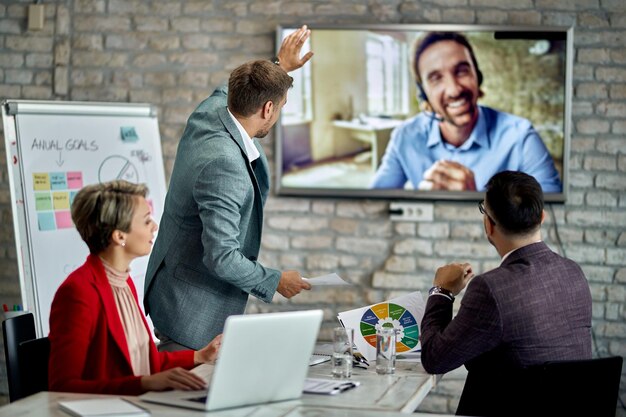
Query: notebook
{"points": [[321, 353], [317, 358], [263, 358], [103, 407]]}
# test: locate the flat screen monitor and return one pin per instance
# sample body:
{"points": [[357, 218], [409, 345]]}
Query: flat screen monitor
{"points": [[360, 123]]}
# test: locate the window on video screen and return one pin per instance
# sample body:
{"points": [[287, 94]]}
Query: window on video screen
{"points": [[356, 119]]}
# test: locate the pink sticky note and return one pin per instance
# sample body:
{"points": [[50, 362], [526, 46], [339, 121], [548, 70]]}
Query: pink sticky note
{"points": [[75, 180], [63, 219]]}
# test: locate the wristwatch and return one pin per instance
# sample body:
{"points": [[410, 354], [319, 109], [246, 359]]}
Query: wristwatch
{"points": [[441, 291], [275, 60]]}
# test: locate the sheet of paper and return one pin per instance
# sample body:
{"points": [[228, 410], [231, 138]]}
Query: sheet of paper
{"points": [[329, 279], [328, 386], [204, 371], [103, 407]]}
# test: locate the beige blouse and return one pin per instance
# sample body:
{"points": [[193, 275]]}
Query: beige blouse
{"points": [[137, 336]]}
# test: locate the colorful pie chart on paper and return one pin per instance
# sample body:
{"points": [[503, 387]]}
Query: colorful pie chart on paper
{"points": [[393, 316]]}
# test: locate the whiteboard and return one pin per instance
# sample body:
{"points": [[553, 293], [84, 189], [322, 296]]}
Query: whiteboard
{"points": [[53, 149]]}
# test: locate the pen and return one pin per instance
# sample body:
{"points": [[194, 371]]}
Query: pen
{"points": [[359, 360], [346, 387]]}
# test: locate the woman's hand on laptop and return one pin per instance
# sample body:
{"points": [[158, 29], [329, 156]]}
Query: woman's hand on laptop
{"points": [[208, 354], [175, 378]]}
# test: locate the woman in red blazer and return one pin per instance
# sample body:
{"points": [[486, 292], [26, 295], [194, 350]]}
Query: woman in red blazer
{"points": [[99, 339]]}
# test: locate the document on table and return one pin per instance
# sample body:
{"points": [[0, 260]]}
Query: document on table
{"points": [[327, 386], [103, 407], [329, 279]]}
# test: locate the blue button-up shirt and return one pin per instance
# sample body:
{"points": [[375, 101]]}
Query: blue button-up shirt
{"points": [[499, 142]]}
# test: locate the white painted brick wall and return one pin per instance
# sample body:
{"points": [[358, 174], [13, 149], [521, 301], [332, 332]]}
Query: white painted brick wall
{"points": [[172, 53]]}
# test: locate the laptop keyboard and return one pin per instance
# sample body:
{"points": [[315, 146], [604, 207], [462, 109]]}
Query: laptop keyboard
{"points": [[198, 399]]}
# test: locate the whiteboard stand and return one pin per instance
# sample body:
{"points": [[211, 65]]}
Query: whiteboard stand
{"points": [[54, 148]]}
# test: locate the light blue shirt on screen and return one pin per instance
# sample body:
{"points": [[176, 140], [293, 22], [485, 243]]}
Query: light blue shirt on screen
{"points": [[499, 142]]}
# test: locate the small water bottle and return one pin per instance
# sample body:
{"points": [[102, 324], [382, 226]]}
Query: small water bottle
{"points": [[386, 351]]}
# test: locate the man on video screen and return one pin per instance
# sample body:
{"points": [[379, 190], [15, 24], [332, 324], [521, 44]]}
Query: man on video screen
{"points": [[455, 144]]}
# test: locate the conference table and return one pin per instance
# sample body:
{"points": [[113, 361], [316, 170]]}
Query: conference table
{"points": [[378, 395]]}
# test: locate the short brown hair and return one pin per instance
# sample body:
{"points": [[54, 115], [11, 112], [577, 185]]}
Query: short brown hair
{"points": [[100, 209], [254, 83]]}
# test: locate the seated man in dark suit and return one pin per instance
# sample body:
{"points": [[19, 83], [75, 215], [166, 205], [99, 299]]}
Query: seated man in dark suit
{"points": [[535, 307]]}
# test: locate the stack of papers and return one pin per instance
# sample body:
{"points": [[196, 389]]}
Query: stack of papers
{"points": [[103, 407], [327, 386]]}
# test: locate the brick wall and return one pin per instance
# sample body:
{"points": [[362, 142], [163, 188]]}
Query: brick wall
{"points": [[173, 53]]}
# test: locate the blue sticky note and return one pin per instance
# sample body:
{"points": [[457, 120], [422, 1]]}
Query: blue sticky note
{"points": [[129, 134], [58, 181], [46, 221]]}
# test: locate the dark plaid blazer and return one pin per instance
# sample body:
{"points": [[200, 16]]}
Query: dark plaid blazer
{"points": [[535, 307]]}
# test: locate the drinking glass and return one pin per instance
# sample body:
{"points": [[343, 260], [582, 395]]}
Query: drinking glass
{"points": [[386, 351], [343, 338]]}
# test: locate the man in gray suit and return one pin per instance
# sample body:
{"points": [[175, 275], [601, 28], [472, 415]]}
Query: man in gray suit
{"points": [[535, 307], [204, 262]]}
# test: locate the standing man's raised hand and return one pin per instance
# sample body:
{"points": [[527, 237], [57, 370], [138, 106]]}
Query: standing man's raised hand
{"points": [[289, 53]]}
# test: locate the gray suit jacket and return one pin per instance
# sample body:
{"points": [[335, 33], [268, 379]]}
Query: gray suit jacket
{"points": [[204, 261], [535, 307]]}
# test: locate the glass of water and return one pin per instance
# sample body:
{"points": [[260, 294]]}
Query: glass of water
{"points": [[386, 350], [343, 338]]}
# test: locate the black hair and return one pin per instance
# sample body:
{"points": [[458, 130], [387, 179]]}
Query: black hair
{"points": [[515, 201], [431, 38]]}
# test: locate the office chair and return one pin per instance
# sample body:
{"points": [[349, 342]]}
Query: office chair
{"points": [[582, 387], [26, 357]]}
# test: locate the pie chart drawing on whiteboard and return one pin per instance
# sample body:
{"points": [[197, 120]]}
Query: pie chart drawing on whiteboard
{"points": [[117, 167], [393, 316]]}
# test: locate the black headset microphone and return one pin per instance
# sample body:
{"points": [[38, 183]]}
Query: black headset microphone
{"points": [[422, 96]]}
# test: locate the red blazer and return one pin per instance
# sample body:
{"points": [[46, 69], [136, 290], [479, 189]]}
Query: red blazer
{"points": [[88, 348]]}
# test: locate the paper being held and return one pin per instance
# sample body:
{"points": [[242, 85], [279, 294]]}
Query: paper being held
{"points": [[329, 279]]}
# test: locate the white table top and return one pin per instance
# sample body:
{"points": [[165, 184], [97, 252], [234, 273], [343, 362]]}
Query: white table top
{"points": [[378, 395], [401, 392], [45, 404], [371, 124]]}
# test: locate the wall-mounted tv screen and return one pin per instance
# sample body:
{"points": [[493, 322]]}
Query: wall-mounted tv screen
{"points": [[426, 111]]}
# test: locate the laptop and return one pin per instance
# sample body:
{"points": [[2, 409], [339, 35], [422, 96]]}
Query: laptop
{"points": [[263, 358]]}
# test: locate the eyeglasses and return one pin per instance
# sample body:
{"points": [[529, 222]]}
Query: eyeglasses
{"points": [[481, 208]]}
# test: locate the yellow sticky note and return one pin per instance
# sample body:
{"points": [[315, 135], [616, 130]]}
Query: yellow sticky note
{"points": [[41, 181], [61, 200]]}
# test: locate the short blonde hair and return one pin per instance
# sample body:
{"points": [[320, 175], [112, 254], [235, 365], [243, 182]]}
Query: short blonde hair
{"points": [[100, 209]]}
